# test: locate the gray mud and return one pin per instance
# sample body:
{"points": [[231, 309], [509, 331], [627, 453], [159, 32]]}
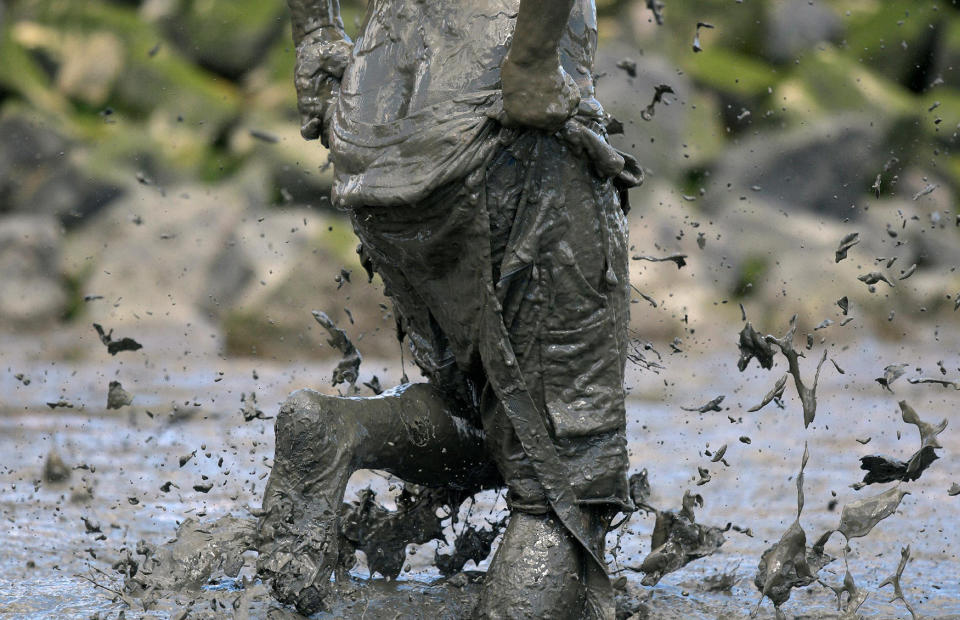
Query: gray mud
{"points": [[116, 457]]}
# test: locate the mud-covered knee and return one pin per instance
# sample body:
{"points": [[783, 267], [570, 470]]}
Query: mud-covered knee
{"points": [[305, 418]]}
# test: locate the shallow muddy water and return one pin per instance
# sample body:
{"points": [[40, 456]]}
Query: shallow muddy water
{"points": [[124, 457]]}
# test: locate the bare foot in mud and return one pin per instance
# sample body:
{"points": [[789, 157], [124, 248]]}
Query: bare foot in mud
{"points": [[298, 531]]}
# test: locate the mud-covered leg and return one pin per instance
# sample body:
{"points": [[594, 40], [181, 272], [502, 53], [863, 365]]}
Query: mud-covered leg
{"points": [[320, 441], [535, 572]]}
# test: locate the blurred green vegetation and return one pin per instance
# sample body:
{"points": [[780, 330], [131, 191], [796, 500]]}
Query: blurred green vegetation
{"points": [[791, 106], [173, 87]]}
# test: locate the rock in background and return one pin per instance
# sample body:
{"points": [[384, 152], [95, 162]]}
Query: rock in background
{"points": [[149, 154], [31, 291]]}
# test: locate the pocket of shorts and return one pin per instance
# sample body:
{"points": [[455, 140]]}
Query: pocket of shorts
{"points": [[574, 301], [583, 379]]}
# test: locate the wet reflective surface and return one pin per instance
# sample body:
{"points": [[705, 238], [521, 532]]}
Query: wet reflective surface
{"points": [[127, 456]]}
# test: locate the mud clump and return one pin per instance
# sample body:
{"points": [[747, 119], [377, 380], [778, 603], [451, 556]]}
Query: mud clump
{"points": [[116, 346], [894, 580], [187, 563], [348, 369], [383, 535], [846, 243], [753, 345], [117, 397], [472, 543], [678, 540], [790, 563], [54, 469], [249, 409], [881, 468]]}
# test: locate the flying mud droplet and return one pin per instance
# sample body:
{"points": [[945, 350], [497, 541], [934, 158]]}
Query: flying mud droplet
{"points": [[855, 596], [249, 409], [942, 382], [116, 346], [873, 278], [54, 469], [118, 397], [753, 345], [696, 37], [713, 405], [846, 243], [679, 259], [383, 535], [264, 136], [858, 518], [472, 543], [887, 469], [775, 394], [808, 395], [719, 454], [677, 540], [661, 90], [629, 66], [912, 269], [91, 526], [647, 298], [348, 369], [844, 304], [891, 373], [374, 385], [342, 278], [789, 563], [954, 490], [656, 7], [640, 490], [894, 580], [929, 189]]}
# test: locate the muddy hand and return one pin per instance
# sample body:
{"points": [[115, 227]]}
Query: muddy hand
{"points": [[321, 60], [538, 94]]}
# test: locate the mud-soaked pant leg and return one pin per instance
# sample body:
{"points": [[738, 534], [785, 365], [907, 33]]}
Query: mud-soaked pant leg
{"points": [[541, 227], [411, 432], [561, 274], [320, 441]]}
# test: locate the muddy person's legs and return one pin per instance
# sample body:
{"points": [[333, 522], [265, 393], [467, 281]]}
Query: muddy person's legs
{"points": [[320, 441], [565, 308], [535, 572]]}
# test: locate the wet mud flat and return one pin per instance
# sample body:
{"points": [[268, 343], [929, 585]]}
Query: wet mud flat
{"points": [[134, 477]]}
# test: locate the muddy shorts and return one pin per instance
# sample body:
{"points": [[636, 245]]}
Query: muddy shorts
{"points": [[537, 238]]}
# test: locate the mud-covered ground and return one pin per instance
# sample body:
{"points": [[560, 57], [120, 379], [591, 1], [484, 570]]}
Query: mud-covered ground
{"points": [[61, 538]]}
